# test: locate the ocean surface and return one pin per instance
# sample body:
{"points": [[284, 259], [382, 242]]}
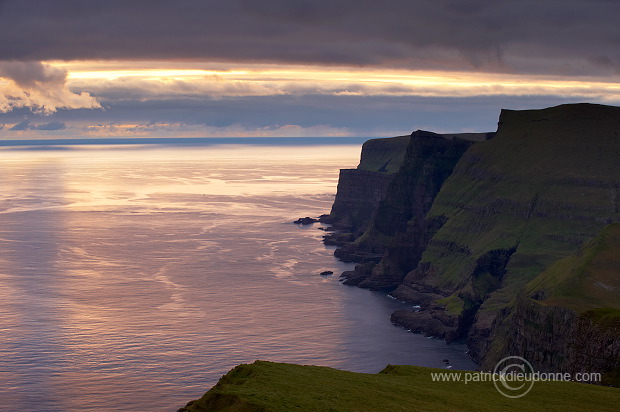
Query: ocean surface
{"points": [[132, 277]]}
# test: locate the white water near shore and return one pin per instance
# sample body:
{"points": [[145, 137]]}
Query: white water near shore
{"points": [[132, 278]]}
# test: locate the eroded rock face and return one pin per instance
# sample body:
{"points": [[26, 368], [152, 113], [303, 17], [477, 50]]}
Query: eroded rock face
{"points": [[359, 192], [556, 339], [396, 224], [432, 322]]}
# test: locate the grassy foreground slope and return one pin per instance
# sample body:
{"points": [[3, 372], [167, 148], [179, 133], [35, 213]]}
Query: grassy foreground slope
{"points": [[266, 386]]}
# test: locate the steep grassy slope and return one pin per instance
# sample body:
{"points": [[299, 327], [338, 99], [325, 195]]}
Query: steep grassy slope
{"points": [[265, 386], [547, 182], [568, 317], [384, 155], [589, 279]]}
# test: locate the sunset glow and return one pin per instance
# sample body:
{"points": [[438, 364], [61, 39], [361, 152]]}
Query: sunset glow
{"points": [[271, 79], [267, 68]]}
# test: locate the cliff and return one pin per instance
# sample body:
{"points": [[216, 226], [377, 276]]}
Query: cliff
{"points": [[376, 203], [359, 192], [267, 386], [463, 228], [361, 189], [568, 317]]}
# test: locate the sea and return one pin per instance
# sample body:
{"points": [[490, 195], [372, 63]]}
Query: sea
{"points": [[134, 275]]}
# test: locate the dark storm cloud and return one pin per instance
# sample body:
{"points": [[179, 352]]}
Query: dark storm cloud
{"points": [[32, 74], [542, 36]]}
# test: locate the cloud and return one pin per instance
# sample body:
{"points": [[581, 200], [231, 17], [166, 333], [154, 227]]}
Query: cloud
{"points": [[370, 116], [27, 125], [203, 130], [39, 87], [272, 80], [51, 126], [562, 37]]}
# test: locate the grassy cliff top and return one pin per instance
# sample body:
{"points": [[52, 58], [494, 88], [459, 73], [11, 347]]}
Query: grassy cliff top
{"points": [[266, 386], [387, 154], [384, 155]]}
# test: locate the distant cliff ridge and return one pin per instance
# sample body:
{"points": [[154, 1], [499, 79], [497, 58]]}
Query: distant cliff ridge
{"points": [[466, 222]]}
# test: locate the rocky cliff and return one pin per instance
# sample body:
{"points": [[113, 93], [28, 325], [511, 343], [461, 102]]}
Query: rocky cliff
{"points": [[376, 204], [568, 317], [359, 192], [462, 228]]}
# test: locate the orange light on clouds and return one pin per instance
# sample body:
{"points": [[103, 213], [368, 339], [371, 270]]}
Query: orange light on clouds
{"points": [[264, 79], [148, 73]]}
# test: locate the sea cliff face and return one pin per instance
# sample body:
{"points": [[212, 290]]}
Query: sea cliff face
{"points": [[390, 216], [568, 317], [359, 193], [463, 227]]}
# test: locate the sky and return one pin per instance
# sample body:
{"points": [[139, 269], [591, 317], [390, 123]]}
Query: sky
{"points": [[190, 68]]}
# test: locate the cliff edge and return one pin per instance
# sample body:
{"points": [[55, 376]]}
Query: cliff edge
{"points": [[266, 386]]}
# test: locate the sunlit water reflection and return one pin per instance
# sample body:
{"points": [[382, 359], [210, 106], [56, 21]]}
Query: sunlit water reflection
{"points": [[133, 278]]}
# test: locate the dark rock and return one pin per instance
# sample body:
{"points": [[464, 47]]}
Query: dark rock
{"points": [[348, 253], [357, 275], [305, 221], [437, 323], [338, 239], [325, 219], [557, 339]]}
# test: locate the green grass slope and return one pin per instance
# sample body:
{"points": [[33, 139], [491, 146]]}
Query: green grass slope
{"points": [[546, 183], [266, 386], [568, 317], [590, 279], [384, 155]]}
